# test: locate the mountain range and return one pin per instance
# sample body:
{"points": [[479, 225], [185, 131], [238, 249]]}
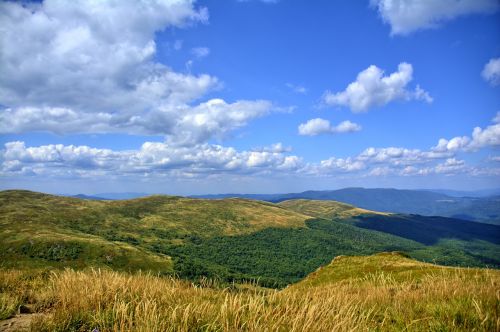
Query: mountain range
{"points": [[422, 202]]}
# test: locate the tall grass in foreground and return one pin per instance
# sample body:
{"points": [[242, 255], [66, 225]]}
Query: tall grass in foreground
{"points": [[112, 301]]}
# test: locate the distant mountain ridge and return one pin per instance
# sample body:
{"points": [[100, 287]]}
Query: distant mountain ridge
{"points": [[422, 202]]}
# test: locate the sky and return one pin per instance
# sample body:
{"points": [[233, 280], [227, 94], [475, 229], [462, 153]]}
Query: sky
{"points": [[225, 96]]}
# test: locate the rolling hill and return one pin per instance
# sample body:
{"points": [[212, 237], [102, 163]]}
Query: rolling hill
{"points": [[229, 239], [47, 230], [422, 202], [393, 266], [325, 209]]}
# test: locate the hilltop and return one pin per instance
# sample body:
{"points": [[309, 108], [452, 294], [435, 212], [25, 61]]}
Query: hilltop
{"points": [[423, 202], [324, 209], [46, 230], [394, 266], [230, 239]]}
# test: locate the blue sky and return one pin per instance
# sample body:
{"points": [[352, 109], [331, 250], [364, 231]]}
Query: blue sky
{"points": [[186, 97]]}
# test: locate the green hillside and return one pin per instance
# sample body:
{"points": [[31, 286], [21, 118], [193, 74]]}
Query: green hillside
{"points": [[46, 230], [227, 239]]}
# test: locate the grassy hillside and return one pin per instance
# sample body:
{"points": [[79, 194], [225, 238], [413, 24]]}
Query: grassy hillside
{"points": [[385, 292], [394, 266], [229, 239], [447, 241], [45, 230], [324, 209], [485, 209], [422, 202]]}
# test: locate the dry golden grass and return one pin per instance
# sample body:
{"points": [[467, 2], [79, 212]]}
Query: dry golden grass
{"points": [[231, 216], [434, 300], [324, 209]]}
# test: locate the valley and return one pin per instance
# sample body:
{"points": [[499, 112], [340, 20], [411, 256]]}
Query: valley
{"points": [[227, 254]]}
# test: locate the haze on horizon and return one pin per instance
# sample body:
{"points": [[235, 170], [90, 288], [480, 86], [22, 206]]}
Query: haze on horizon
{"points": [[199, 97]]}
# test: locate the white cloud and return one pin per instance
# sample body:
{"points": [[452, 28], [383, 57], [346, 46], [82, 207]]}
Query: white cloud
{"points": [[490, 136], [195, 160], [152, 158], [406, 16], [318, 126], [487, 137], [398, 156], [182, 123], [275, 148], [491, 71], [342, 164], [372, 88], [88, 46], [451, 166], [79, 67], [200, 52], [454, 144], [346, 127], [314, 127]]}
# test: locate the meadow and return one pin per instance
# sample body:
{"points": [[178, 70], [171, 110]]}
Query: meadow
{"points": [[386, 292], [166, 263]]}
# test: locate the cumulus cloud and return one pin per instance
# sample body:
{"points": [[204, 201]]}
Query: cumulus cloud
{"points": [[152, 157], [275, 148], [318, 126], [343, 164], [491, 71], [183, 124], [480, 138], [88, 46], [406, 16], [454, 144], [203, 159], [79, 67], [451, 166], [398, 156], [372, 88]]}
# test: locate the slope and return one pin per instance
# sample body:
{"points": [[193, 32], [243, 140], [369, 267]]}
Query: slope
{"points": [[394, 266], [423, 202], [229, 239], [45, 230], [324, 209], [448, 241], [383, 292]]}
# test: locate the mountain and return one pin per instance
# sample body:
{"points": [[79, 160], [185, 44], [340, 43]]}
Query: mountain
{"points": [[464, 193], [422, 202], [228, 239]]}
